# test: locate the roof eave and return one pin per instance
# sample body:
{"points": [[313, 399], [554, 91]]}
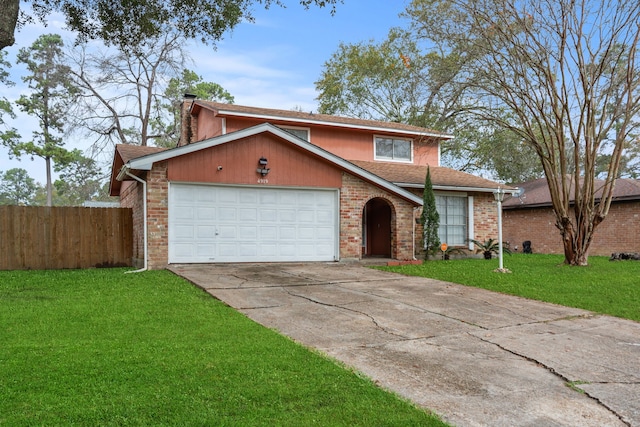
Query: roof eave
{"points": [[334, 124], [507, 190], [146, 162]]}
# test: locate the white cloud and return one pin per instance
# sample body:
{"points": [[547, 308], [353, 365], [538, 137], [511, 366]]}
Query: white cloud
{"points": [[272, 62]]}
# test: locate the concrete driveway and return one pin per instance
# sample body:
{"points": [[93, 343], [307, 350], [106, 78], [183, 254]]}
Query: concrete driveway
{"points": [[474, 357]]}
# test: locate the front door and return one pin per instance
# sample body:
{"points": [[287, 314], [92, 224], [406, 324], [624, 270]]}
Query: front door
{"points": [[377, 219]]}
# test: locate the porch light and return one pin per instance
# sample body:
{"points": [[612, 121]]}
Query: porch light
{"points": [[262, 167], [499, 196]]}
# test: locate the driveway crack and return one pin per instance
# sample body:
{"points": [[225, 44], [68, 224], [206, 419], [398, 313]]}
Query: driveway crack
{"points": [[370, 317], [571, 384]]}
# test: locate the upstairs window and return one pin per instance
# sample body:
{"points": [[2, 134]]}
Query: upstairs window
{"points": [[398, 150], [302, 133]]}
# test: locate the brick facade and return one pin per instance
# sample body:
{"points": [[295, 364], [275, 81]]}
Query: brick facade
{"points": [[485, 217], [131, 197], [485, 220], [619, 232], [158, 214], [354, 195]]}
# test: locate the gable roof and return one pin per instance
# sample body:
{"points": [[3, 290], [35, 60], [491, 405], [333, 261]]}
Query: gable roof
{"points": [[536, 193], [124, 153], [442, 178], [146, 162], [318, 119]]}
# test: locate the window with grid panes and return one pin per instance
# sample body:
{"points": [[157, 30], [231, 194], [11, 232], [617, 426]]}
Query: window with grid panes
{"points": [[453, 219]]}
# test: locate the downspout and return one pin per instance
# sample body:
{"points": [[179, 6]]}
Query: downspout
{"points": [[413, 241], [144, 215]]}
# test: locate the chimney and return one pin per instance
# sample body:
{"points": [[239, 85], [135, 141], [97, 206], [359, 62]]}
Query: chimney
{"points": [[186, 131]]}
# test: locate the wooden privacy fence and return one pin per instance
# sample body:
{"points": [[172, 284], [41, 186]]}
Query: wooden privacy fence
{"points": [[40, 238]]}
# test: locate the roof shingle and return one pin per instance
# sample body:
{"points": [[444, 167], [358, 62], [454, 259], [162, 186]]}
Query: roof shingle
{"points": [[314, 117], [400, 173], [536, 193], [128, 152]]}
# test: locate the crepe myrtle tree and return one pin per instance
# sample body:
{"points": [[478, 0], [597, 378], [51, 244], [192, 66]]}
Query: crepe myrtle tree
{"points": [[564, 77]]}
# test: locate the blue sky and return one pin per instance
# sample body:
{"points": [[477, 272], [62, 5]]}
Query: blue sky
{"points": [[270, 63]]}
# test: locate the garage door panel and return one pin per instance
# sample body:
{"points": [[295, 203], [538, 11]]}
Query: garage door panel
{"points": [[227, 195], [227, 232], [205, 251], [247, 250], [247, 232], [324, 216], [306, 233], [268, 233], [268, 215], [287, 233], [249, 197], [206, 232], [183, 232], [305, 215], [184, 250], [227, 250], [288, 198], [268, 197], [287, 250], [268, 250], [324, 233], [184, 212], [248, 214], [227, 214], [324, 249], [287, 215], [209, 223], [206, 213]]}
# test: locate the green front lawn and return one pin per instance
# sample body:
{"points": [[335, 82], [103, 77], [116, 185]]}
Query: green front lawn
{"points": [[100, 347], [609, 287]]}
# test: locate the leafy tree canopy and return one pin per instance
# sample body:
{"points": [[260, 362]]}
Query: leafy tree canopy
{"points": [[17, 187], [563, 76], [126, 23]]}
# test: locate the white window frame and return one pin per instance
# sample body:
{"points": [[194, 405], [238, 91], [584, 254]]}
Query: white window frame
{"points": [[468, 220], [392, 159], [298, 128]]}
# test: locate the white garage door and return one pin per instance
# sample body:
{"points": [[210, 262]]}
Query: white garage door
{"points": [[246, 224]]}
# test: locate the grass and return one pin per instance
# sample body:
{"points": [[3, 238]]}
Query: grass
{"points": [[99, 347], [604, 286]]}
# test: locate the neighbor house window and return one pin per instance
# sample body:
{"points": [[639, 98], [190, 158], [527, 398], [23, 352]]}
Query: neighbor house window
{"points": [[398, 150], [302, 133], [453, 219]]}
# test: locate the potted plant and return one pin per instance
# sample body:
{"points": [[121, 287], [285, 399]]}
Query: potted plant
{"points": [[489, 247]]}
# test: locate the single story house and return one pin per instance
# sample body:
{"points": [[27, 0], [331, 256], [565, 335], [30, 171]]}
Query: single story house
{"points": [[250, 184], [531, 217]]}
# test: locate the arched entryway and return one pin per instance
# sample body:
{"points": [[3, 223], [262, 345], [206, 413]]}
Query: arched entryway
{"points": [[376, 229]]}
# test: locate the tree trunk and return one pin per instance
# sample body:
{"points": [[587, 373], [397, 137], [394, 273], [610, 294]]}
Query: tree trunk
{"points": [[49, 186], [8, 20], [575, 252]]}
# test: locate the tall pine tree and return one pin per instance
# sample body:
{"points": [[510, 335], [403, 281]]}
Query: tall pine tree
{"points": [[430, 219]]}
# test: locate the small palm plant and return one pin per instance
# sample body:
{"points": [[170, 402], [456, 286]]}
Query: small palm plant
{"points": [[490, 247], [452, 251]]}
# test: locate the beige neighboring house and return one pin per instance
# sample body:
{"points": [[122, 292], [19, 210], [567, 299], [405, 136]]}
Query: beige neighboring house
{"points": [[531, 218], [250, 184]]}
